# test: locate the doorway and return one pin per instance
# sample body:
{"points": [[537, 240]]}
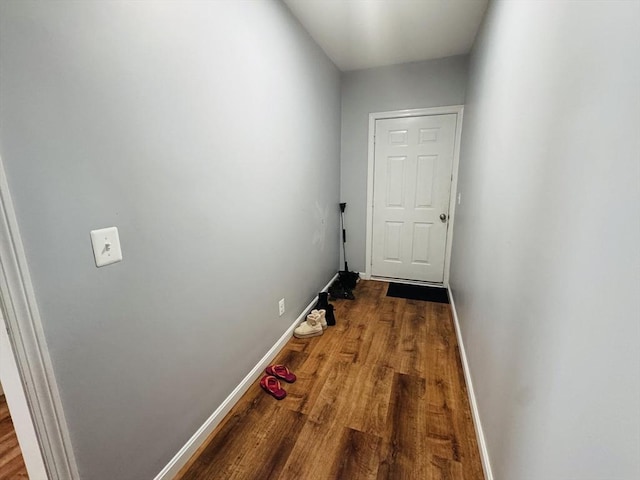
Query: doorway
{"points": [[20, 448], [413, 159]]}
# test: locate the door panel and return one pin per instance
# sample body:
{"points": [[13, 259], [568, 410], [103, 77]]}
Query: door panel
{"points": [[395, 182], [420, 243], [412, 181], [424, 180], [393, 241]]}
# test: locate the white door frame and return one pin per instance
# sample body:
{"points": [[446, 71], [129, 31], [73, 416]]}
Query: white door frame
{"points": [[416, 112], [41, 398]]}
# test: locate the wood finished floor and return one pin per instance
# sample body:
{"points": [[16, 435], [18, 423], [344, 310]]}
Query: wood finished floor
{"points": [[11, 462], [379, 396]]}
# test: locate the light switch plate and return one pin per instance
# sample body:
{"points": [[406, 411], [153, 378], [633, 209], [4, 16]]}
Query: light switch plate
{"points": [[106, 246]]}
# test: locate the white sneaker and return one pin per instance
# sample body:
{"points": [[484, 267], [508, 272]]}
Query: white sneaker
{"points": [[321, 317], [310, 328]]}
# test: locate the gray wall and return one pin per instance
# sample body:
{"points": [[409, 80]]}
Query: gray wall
{"points": [[208, 133], [432, 83], [546, 256]]}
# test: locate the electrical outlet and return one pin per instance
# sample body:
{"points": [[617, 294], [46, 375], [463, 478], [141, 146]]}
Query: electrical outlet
{"points": [[459, 198], [281, 306]]}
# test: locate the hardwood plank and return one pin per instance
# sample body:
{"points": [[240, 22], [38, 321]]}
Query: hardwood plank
{"points": [[405, 455], [255, 444], [331, 451], [312, 375], [359, 456], [390, 315], [444, 469], [356, 396], [333, 396], [411, 351]]}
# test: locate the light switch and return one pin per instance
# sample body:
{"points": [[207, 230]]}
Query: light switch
{"points": [[106, 246]]}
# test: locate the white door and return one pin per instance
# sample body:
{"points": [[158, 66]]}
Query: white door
{"points": [[411, 187]]}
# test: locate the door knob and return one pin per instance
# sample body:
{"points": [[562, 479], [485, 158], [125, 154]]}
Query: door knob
{"points": [[443, 217]]}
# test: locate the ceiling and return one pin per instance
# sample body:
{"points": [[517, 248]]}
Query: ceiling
{"points": [[358, 34]]}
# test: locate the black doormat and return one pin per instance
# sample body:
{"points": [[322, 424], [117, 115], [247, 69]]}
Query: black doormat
{"points": [[418, 292]]}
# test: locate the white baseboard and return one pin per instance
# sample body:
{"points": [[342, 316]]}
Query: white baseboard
{"points": [[484, 453], [186, 452]]}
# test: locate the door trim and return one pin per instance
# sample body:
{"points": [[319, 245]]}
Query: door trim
{"points": [[416, 112], [26, 335]]}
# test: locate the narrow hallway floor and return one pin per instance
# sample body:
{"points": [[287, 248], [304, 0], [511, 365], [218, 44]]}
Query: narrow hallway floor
{"points": [[379, 396]]}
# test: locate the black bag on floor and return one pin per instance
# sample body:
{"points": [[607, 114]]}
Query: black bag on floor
{"points": [[339, 292], [348, 279]]}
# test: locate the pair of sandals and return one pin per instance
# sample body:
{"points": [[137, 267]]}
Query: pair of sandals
{"points": [[271, 384]]}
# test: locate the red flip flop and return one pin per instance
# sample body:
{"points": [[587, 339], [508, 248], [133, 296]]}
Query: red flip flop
{"points": [[272, 386], [282, 372]]}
